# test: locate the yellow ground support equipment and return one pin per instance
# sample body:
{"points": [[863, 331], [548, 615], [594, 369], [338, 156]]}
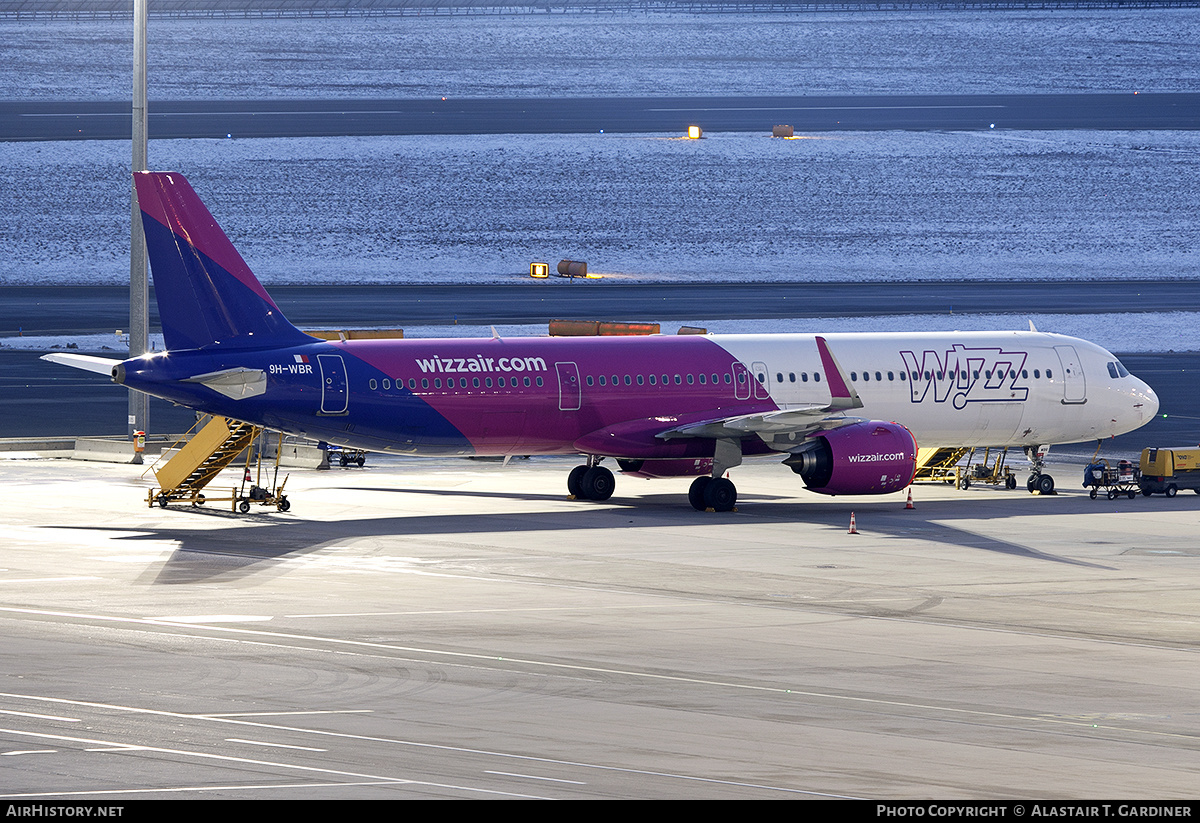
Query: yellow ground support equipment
{"points": [[203, 456], [1167, 471], [991, 469], [939, 466]]}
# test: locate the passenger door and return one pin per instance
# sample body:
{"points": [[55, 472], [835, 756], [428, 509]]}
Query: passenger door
{"points": [[334, 397]]}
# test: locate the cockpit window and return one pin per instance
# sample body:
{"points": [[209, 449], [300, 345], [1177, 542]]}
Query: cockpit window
{"points": [[1116, 370]]}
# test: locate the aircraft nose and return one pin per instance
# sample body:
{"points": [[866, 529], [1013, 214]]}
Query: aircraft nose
{"points": [[1149, 403]]}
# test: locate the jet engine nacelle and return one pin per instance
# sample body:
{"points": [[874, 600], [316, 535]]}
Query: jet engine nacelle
{"points": [[862, 458]]}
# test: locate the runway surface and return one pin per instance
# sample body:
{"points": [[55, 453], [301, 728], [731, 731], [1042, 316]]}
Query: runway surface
{"points": [[111, 120], [87, 309], [438, 629]]}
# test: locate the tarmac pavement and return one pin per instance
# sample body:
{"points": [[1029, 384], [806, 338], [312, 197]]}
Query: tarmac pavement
{"points": [[459, 628]]}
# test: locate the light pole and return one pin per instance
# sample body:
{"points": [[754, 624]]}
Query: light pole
{"points": [[139, 288]]}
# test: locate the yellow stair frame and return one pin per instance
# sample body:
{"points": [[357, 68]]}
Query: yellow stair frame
{"points": [[200, 460], [939, 465]]}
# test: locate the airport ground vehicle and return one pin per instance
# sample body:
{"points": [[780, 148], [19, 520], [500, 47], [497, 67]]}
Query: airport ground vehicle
{"points": [[1167, 471], [1116, 480]]}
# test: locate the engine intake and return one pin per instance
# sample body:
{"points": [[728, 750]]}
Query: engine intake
{"points": [[862, 458]]}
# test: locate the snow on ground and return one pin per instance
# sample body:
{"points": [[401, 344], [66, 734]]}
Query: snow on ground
{"points": [[1126, 333], [917, 52], [902, 205], [997, 205]]}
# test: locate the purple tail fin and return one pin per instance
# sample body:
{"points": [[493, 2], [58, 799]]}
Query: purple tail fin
{"points": [[206, 293]]}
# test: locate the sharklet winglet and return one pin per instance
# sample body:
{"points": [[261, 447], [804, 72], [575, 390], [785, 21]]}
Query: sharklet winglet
{"points": [[842, 393]]}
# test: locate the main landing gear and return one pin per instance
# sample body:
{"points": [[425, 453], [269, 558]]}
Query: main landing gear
{"points": [[708, 493], [716, 493], [591, 482]]}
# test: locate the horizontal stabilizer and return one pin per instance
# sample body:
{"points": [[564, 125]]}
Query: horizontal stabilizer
{"points": [[236, 384], [99, 365]]}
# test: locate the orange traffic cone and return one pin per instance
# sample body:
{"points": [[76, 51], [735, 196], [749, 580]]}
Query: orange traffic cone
{"points": [[853, 528], [247, 478], [909, 504]]}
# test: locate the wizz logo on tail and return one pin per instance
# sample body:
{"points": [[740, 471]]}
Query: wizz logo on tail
{"points": [[965, 375]]}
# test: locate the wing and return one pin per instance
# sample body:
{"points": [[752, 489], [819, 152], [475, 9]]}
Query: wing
{"points": [[794, 420]]}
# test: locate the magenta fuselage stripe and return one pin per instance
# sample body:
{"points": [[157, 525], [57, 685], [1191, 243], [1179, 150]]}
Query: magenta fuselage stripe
{"points": [[170, 200], [610, 419]]}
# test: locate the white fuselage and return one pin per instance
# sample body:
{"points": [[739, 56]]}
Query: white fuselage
{"points": [[961, 388]]}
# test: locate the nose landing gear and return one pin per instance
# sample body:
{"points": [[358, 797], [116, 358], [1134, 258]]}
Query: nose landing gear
{"points": [[1038, 481]]}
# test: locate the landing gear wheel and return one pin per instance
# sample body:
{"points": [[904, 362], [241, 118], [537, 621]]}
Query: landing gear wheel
{"points": [[244, 506], [1032, 482], [598, 483], [575, 481], [1171, 490], [1045, 484], [720, 494], [696, 492]]}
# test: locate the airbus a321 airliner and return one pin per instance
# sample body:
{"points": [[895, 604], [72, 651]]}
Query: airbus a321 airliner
{"points": [[843, 411]]}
